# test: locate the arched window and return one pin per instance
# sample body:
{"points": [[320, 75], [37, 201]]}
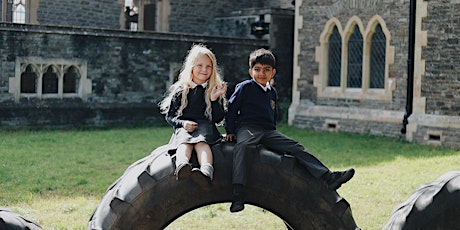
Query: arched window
{"points": [[29, 81], [334, 58], [355, 59], [50, 81], [377, 59], [19, 11], [352, 64], [71, 80], [50, 78]]}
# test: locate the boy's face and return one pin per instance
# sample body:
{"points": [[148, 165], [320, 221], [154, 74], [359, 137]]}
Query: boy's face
{"points": [[262, 73]]}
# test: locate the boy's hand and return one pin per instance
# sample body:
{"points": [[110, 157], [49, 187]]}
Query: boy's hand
{"points": [[218, 91], [230, 137]]}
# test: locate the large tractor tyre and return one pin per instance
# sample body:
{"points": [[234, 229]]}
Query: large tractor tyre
{"points": [[432, 206], [10, 220], [148, 196]]}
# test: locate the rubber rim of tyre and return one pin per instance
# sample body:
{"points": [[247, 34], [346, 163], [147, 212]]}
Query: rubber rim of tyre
{"points": [[148, 196], [11, 220], [434, 205]]}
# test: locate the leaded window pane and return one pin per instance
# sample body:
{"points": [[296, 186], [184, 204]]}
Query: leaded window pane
{"points": [[355, 59], [377, 65], [334, 58], [19, 11]]}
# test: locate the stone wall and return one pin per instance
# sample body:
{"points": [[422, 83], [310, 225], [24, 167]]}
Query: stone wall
{"points": [[197, 16], [129, 72], [95, 14], [441, 81]]}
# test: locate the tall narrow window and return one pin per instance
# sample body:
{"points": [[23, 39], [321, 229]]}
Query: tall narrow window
{"points": [[355, 59], [70, 82], [131, 15], [29, 81], [334, 58], [50, 81], [377, 62], [150, 14], [19, 11]]}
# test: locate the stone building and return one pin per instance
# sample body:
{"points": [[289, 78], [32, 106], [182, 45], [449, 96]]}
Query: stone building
{"points": [[353, 62], [96, 63]]}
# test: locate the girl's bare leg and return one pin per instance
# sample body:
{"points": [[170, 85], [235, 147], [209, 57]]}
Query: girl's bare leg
{"points": [[204, 153], [183, 153]]}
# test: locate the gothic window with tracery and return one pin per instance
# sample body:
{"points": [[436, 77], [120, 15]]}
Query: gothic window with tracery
{"points": [[378, 57], [334, 58], [19, 11], [354, 62], [355, 59], [50, 78]]}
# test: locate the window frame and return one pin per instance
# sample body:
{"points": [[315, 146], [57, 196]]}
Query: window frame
{"points": [[162, 10], [344, 92], [30, 6], [60, 66]]}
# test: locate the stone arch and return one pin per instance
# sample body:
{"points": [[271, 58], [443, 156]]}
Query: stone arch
{"points": [[352, 23], [389, 83], [321, 56], [29, 79], [47, 83], [69, 79]]}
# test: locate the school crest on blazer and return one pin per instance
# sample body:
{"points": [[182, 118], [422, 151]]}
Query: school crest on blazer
{"points": [[273, 104]]}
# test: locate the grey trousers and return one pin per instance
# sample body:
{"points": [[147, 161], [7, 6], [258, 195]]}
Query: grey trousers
{"points": [[275, 141]]}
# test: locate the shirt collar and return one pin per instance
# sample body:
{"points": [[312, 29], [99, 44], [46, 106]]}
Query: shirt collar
{"points": [[266, 87], [193, 85]]}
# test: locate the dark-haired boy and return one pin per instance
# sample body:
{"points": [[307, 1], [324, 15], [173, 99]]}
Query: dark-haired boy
{"points": [[251, 120]]}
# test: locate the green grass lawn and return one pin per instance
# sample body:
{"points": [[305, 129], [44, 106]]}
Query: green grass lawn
{"points": [[57, 178]]}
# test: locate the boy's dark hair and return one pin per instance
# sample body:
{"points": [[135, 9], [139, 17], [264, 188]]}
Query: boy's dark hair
{"points": [[262, 56]]}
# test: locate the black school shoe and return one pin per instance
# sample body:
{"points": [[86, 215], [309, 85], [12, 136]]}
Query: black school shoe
{"points": [[202, 178], [238, 198], [335, 179], [183, 170]]}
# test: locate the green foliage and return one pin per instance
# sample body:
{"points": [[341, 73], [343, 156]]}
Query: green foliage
{"points": [[58, 177]]}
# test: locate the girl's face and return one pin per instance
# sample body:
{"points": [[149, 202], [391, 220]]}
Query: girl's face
{"points": [[262, 73], [202, 69]]}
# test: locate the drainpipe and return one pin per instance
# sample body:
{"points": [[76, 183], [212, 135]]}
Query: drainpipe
{"points": [[410, 66]]}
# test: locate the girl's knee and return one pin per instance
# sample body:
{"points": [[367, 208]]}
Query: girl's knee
{"points": [[202, 146], [185, 146]]}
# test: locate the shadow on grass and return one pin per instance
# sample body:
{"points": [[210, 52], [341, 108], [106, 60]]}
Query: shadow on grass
{"points": [[351, 149]]}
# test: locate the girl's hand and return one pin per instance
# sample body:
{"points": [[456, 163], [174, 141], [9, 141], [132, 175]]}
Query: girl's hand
{"points": [[190, 126], [218, 91]]}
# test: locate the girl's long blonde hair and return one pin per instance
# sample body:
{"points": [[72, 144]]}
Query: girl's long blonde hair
{"points": [[184, 81]]}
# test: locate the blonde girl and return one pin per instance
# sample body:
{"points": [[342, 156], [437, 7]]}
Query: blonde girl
{"points": [[193, 106]]}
